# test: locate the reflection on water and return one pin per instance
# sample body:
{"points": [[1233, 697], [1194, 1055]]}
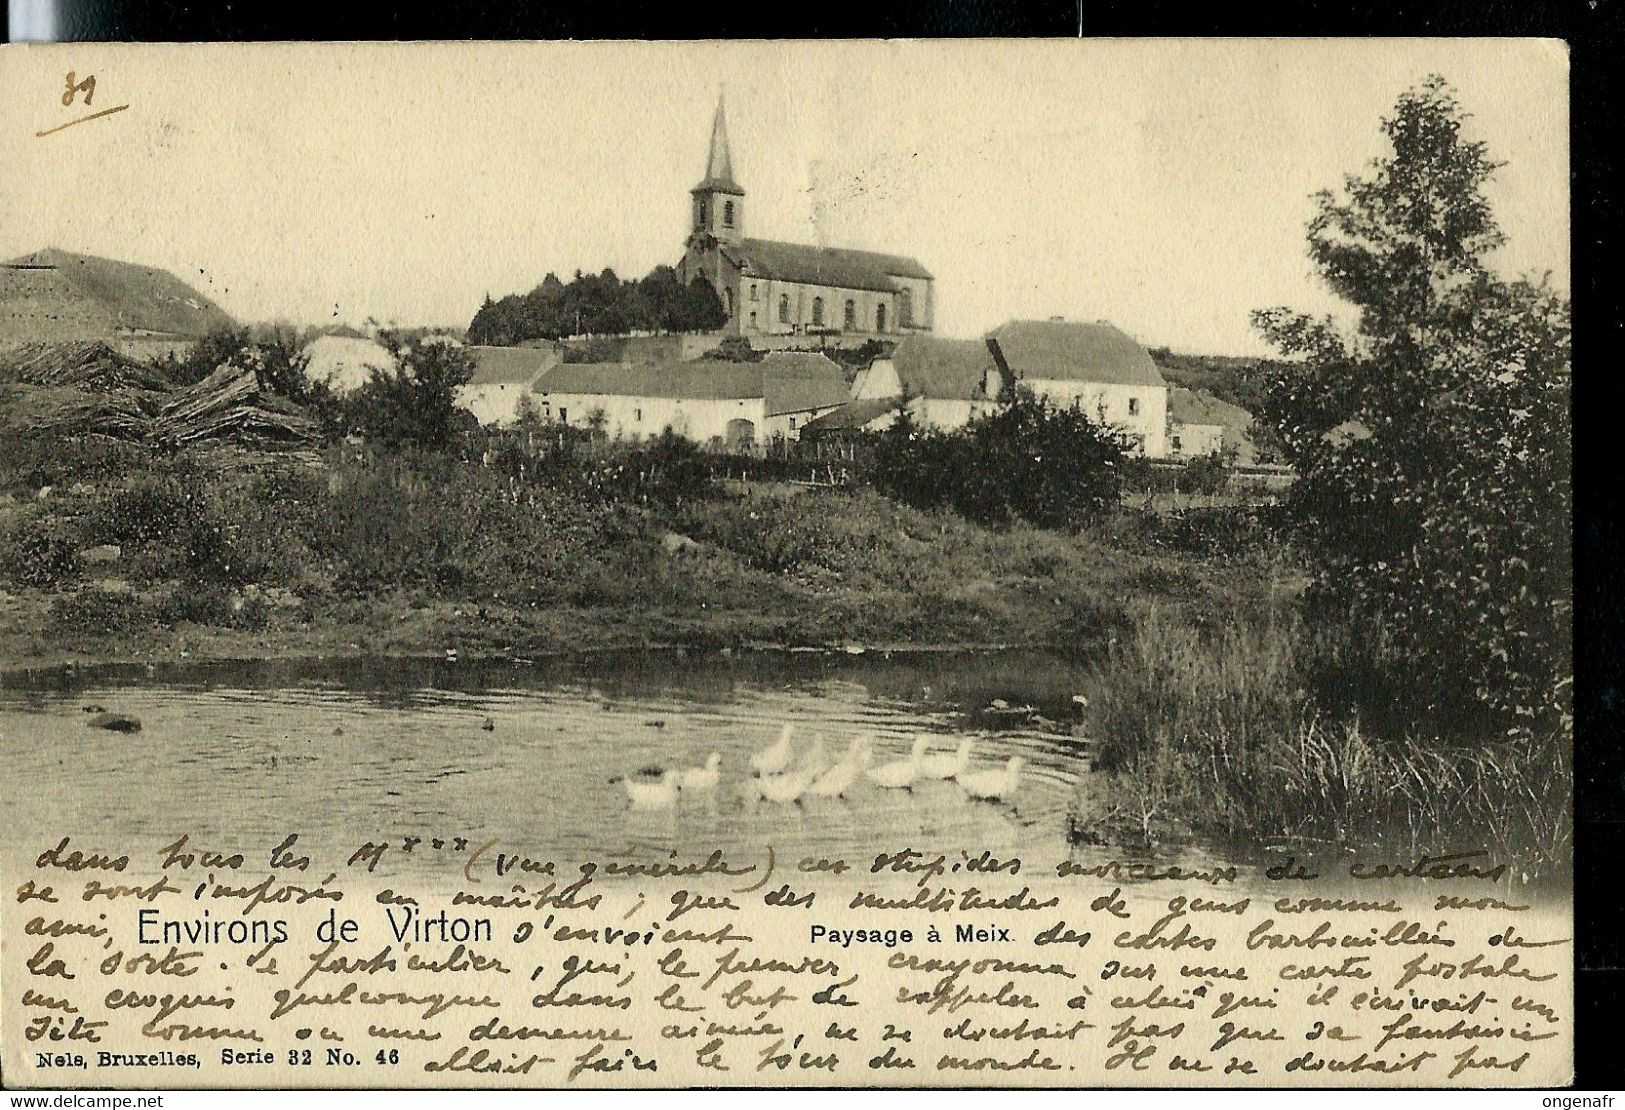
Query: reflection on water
{"points": [[239, 755]]}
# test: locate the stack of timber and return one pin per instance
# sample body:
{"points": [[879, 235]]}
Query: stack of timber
{"points": [[230, 405]]}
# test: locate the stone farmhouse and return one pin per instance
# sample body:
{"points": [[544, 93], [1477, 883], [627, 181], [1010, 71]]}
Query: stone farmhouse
{"points": [[732, 405], [1091, 366]]}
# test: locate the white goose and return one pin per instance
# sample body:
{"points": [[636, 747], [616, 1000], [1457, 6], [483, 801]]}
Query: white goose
{"points": [[998, 784], [835, 782], [701, 778], [947, 765], [787, 788], [652, 793], [775, 757], [900, 773]]}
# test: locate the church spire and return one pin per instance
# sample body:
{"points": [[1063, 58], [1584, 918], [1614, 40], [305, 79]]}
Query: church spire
{"points": [[719, 174]]}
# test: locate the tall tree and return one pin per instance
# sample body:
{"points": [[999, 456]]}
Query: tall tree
{"points": [[1432, 439]]}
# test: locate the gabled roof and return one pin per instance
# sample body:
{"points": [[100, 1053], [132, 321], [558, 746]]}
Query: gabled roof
{"points": [[798, 381], [946, 369], [56, 290], [702, 379], [1200, 407], [510, 365], [853, 414], [1062, 350], [845, 269]]}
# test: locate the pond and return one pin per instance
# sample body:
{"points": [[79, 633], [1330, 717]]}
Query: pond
{"points": [[531, 754]]}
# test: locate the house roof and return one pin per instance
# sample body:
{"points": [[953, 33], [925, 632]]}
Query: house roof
{"points": [[700, 380], [852, 415], [799, 381], [59, 292], [946, 369], [1199, 407], [1063, 350], [510, 365], [845, 269]]}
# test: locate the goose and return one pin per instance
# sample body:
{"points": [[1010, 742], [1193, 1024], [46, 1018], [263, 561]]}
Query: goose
{"points": [[995, 784], [947, 765], [835, 782], [900, 773], [701, 778], [786, 789], [774, 758], [649, 792]]}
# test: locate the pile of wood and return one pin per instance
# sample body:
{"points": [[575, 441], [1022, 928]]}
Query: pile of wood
{"points": [[90, 365], [230, 405], [68, 411]]}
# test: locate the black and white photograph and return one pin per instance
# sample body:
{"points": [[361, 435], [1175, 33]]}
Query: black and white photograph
{"points": [[837, 564]]}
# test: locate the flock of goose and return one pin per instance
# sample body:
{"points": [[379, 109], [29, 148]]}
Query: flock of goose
{"points": [[779, 777]]}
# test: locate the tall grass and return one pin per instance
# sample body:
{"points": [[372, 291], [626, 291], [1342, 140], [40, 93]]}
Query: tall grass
{"points": [[1216, 732]]}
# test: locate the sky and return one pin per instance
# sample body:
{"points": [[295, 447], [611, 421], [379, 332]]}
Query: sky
{"points": [[1162, 185]]}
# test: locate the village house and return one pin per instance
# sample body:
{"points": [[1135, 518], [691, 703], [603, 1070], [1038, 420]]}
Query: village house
{"points": [[55, 296], [735, 406], [947, 381], [501, 377], [772, 288], [1094, 367], [1200, 424]]}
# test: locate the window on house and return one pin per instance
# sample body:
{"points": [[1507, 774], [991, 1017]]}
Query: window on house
{"points": [[564, 416], [701, 220], [784, 308], [818, 311], [849, 318], [753, 321], [753, 290], [792, 422], [728, 214], [637, 414], [729, 302], [1134, 406], [905, 308], [1177, 444], [880, 317]]}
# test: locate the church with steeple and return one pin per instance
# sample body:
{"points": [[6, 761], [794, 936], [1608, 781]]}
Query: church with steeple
{"points": [[772, 288]]}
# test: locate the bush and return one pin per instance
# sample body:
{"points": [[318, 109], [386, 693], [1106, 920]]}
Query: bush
{"points": [[171, 525], [1028, 460], [33, 553], [100, 612]]}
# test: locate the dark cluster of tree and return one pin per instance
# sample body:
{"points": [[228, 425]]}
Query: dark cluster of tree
{"points": [[598, 304]]}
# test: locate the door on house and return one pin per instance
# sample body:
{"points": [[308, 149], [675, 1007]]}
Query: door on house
{"points": [[880, 317], [741, 435]]}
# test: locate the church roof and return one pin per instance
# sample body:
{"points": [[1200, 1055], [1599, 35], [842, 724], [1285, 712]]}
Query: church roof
{"points": [[810, 265], [719, 170], [946, 369], [56, 294], [1063, 350]]}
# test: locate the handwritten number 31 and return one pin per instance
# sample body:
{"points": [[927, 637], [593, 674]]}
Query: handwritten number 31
{"points": [[87, 86]]}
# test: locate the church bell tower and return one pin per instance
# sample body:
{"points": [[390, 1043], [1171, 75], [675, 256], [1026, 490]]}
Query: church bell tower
{"points": [[718, 201]]}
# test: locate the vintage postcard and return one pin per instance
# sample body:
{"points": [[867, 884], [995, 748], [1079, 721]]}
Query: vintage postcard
{"points": [[864, 564]]}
